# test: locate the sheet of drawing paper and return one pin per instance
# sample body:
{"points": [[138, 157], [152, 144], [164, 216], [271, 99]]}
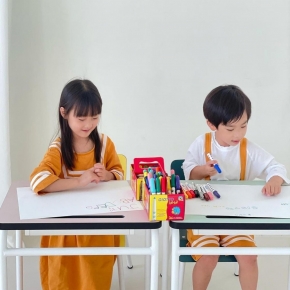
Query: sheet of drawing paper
{"points": [[242, 200], [104, 197]]}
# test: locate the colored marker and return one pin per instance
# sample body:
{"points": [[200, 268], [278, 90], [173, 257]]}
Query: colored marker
{"points": [[185, 191], [208, 192], [190, 190], [213, 191], [158, 186], [205, 195], [202, 195], [147, 182], [216, 166], [152, 186], [168, 184], [172, 181], [163, 184], [193, 187], [177, 183]]}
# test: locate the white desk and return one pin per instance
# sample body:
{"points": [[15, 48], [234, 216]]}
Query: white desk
{"points": [[203, 225], [9, 220]]}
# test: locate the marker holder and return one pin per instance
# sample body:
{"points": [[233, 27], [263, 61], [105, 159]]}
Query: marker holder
{"points": [[136, 172], [162, 207]]}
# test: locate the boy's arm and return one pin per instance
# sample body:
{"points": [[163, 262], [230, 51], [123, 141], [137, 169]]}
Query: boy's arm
{"points": [[203, 171], [261, 164], [273, 186]]}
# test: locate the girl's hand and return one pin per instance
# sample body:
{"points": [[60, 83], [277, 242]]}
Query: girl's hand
{"points": [[209, 170], [273, 186], [87, 177], [102, 173]]}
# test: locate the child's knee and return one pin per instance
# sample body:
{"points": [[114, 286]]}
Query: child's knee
{"points": [[210, 261], [250, 260]]}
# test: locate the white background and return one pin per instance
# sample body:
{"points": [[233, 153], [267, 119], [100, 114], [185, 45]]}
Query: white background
{"points": [[153, 62]]}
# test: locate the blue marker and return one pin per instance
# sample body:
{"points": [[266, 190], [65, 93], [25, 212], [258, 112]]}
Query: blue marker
{"points": [[216, 166], [147, 182], [177, 183]]}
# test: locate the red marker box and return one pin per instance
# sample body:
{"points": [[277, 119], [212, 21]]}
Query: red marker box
{"points": [[136, 171]]}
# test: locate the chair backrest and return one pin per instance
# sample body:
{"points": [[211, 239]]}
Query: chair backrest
{"points": [[177, 166], [123, 161]]}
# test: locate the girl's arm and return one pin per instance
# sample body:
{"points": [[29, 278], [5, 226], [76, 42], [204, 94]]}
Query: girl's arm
{"points": [[48, 175], [111, 161], [48, 171], [65, 184]]}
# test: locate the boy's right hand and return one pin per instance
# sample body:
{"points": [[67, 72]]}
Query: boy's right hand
{"points": [[87, 177], [209, 170]]}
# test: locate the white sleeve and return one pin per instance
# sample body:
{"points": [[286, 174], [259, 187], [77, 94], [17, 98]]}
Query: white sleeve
{"points": [[263, 165], [194, 156]]}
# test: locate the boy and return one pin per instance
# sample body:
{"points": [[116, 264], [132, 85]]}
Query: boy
{"points": [[227, 111]]}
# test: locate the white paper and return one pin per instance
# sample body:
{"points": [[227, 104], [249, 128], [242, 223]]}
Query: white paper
{"points": [[242, 200], [104, 197]]}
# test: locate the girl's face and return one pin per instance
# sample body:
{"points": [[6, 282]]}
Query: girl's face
{"points": [[232, 133], [80, 126]]}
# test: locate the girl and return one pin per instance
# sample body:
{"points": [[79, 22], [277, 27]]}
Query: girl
{"points": [[79, 156]]}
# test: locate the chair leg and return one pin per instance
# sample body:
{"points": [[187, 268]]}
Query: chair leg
{"points": [[181, 275], [121, 273], [236, 273], [128, 257]]}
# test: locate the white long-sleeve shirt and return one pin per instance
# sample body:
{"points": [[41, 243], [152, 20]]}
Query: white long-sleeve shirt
{"points": [[260, 163]]}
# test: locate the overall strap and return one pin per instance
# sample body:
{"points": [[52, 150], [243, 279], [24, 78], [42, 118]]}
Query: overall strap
{"points": [[207, 148], [243, 158], [243, 154]]}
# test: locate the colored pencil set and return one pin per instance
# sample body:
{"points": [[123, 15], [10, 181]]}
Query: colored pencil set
{"points": [[203, 191]]}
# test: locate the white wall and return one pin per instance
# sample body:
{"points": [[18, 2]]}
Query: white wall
{"points": [[5, 176], [153, 62]]}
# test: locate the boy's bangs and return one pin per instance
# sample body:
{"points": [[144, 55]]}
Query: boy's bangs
{"points": [[233, 113], [87, 106]]}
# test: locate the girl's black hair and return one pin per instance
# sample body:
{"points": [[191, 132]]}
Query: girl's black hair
{"points": [[226, 104], [83, 97]]}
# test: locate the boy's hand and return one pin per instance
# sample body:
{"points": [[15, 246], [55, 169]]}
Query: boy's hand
{"points": [[209, 169], [273, 186], [88, 176], [102, 173]]}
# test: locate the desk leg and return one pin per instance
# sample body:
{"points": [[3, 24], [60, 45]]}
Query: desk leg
{"points": [[288, 286], [3, 270], [19, 262], [174, 259], [165, 254], [147, 259], [154, 260]]}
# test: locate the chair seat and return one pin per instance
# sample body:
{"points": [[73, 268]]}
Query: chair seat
{"points": [[188, 258]]}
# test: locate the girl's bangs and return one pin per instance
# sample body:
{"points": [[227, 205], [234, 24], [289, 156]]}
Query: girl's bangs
{"points": [[87, 106]]}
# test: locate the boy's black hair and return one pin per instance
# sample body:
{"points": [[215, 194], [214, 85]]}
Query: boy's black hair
{"points": [[83, 97], [226, 104]]}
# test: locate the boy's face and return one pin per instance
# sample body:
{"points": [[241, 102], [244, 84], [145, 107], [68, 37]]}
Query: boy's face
{"points": [[232, 133]]}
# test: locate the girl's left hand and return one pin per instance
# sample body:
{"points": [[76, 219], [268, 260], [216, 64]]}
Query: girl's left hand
{"points": [[102, 173], [273, 186]]}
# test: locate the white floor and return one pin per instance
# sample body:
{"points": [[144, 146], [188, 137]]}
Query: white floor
{"points": [[273, 270]]}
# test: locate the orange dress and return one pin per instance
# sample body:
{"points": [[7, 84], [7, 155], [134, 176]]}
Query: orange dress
{"points": [[76, 272]]}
